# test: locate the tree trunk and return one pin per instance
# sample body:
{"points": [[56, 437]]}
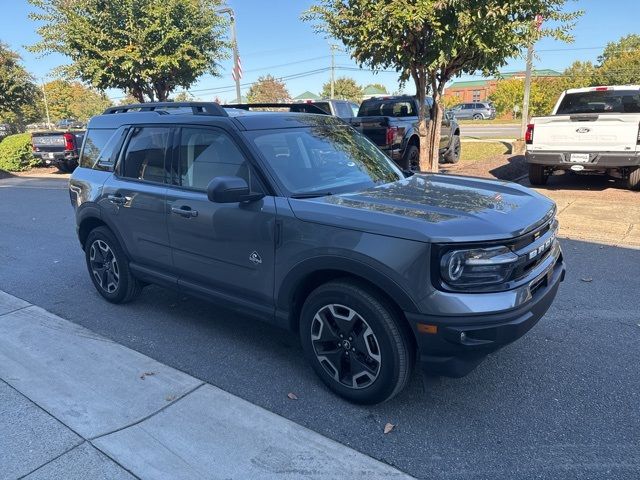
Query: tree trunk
{"points": [[435, 128], [420, 79]]}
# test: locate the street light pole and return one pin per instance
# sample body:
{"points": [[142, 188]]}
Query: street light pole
{"points": [[234, 48], [333, 69]]}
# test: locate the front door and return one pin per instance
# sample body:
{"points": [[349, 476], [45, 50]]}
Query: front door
{"points": [[134, 197], [224, 247]]}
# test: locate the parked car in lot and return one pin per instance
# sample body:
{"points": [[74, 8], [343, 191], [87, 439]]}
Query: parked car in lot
{"points": [[590, 130], [338, 108], [5, 130], [69, 124], [57, 148], [299, 220], [391, 122], [474, 111]]}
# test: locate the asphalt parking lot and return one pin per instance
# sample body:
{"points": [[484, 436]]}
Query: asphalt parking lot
{"points": [[561, 403]]}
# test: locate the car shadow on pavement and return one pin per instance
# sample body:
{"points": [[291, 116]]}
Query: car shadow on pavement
{"points": [[579, 181]]}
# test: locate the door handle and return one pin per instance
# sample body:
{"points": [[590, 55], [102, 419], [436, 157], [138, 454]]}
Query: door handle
{"points": [[117, 199], [184, 211]]}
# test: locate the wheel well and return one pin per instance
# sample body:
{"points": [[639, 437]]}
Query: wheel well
{"points": [[457, 132], [86, 226], [315, 279], [414, 140]]}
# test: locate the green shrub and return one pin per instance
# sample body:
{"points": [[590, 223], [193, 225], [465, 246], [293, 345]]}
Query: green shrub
{"points": [[16, 153]]}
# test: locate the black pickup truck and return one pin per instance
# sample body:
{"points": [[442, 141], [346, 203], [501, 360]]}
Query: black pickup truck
{"points": [[58, 148], [391, 122]]}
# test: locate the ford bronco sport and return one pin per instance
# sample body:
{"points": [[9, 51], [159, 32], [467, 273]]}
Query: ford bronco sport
{"points": [[299, 220]]}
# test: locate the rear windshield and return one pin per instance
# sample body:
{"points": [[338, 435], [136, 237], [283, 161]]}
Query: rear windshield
{"points": [[605, 101], [387, 107]]}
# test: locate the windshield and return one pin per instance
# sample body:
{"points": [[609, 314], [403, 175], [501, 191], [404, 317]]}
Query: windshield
{"points": [[604, 101], [325, 159]]}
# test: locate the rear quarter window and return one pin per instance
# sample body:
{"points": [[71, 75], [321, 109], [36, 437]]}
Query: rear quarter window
{"points": [[99, 148]]}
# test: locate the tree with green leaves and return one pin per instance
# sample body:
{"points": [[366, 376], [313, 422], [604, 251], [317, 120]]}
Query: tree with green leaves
{"points": [[580, 74], [18, 92], [147, 48], [74, 100], [344, 88], [619, 63], [432, 41], [268, 89]]}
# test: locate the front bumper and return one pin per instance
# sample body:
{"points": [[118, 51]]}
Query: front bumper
{"points": [[597, 160], [453, 345]]}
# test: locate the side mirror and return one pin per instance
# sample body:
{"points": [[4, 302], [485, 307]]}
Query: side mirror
{"points": [[231, 190]]}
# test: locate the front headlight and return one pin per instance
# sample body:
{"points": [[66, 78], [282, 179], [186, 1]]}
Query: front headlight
{"points": [[477, 266]]}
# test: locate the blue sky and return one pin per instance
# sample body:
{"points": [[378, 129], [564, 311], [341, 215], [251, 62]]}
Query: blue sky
{"points": [[272, 39]]}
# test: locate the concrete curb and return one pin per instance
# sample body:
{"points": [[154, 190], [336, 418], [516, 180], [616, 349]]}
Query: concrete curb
{"points": [[135, 416]]}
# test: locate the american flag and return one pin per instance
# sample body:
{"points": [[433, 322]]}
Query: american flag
{"points": [[236, 73]]}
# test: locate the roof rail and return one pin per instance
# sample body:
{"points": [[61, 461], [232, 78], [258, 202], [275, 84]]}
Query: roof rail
{"points": [[293, 107], [197, 108]]}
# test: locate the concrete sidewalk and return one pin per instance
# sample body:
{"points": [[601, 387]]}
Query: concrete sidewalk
{"points": [[76, 405]]}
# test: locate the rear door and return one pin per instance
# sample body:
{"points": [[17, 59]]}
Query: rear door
{"points": [[134, 197], [227, 248]]}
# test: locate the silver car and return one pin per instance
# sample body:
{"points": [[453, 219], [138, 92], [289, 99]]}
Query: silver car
{"points": [[475, 111]]}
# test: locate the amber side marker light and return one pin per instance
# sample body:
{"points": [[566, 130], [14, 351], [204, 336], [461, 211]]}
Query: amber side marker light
{"points": [[430, 329]]}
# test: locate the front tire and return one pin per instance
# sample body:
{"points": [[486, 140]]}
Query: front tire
{"points": [[355, 342], [108, 267], [477, 116], [538, 175]]}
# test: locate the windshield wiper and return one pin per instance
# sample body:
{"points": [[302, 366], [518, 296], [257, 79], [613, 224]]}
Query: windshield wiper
{"points": [[311, 194]]}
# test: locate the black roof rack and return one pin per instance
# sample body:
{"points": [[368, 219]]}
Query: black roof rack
{"points": [[293, 107], [197, 108]]}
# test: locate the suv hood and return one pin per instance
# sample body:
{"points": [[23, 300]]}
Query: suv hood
{"points": [[433, 208]]}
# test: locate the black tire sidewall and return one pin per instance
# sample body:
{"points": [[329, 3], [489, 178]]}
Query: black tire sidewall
{"points": [[373, 312], [125, 278], [406, 160], [451, 156]]}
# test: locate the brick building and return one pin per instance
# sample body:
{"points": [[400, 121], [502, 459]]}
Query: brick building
{"points": [[479, 90]]}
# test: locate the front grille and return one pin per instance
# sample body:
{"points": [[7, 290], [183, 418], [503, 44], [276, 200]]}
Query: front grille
{"points": [[534, 248]]}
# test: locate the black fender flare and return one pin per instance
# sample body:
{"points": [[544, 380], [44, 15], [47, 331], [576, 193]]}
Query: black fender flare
{"points": [[370, 274]]}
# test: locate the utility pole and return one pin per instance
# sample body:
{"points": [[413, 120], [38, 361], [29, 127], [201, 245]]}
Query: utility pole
{"points": [[46, 105], [237, 69], [527, 89], [527, 80], [333, 69]]}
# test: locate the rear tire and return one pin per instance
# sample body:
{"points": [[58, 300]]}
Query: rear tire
{"points": [[537, 174], [452, 155], [633, 179], [67, 166], [411, 158], [477, 116], [108, 267], [355, 342]]}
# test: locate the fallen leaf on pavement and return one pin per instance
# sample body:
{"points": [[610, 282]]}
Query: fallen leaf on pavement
{"points": [[146, 374], [388, 427], [587, 279], [292, 396]]}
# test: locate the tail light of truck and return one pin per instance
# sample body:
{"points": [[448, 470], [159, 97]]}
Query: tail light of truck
{"points": [[528, 136], [391, 135], [69, 141]]}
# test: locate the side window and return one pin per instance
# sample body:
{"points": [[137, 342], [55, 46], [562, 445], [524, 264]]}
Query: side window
{"points": [[207, 153], [144, 158], [343, 110], [99, 148]]}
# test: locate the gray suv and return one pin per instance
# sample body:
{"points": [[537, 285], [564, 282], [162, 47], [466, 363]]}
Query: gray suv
{"points": [[299, 220], [475, 111]]}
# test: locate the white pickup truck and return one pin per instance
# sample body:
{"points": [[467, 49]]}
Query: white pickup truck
{"points": [[594, 129]]}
